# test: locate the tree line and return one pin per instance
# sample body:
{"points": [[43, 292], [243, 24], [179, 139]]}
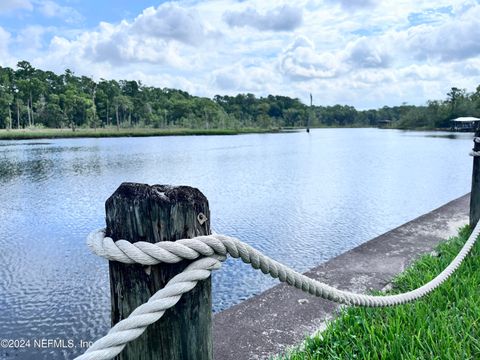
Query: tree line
{"points": [[31, 97]]}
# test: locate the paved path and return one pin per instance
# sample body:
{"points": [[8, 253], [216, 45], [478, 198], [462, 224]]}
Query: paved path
{"points": [[275, 320]]}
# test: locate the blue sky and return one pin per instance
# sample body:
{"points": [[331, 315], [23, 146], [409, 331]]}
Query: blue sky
{"points": [[366, 53], [91, 12]]}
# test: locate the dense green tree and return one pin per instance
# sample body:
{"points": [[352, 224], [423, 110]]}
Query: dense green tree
{"points": [[6, 99]]}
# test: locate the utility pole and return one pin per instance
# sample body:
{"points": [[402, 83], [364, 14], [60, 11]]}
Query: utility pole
{"points": [[310, 113]]}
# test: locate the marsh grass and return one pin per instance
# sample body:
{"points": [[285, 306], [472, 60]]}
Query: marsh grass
{"points": [[45, 133]]}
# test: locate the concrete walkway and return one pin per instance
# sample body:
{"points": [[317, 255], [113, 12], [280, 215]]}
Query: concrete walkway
{"points": [[275, 320]]}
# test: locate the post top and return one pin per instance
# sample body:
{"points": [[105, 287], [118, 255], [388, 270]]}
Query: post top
{"points": [[158, 193], [153, 213]]}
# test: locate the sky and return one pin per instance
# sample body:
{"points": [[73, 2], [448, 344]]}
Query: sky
{"points": [[364, 53]]}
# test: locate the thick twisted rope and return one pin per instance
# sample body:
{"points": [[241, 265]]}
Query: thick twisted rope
{"points": [[208, 252], [474, 153], [206, 246]]}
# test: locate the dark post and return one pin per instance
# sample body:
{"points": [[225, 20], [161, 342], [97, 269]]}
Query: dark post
{"points": [[475, 194], [310, 113], [140, 212]]}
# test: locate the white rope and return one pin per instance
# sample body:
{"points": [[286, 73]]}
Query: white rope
{"points": [[474, 153], [210, 250], [476, 139]]}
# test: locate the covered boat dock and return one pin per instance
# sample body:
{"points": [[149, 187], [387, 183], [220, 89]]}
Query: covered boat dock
{"points": [[466, 124]]}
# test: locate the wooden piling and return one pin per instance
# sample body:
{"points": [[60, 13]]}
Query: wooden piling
{"points": [[475, 193], [310, 113], [139, 212]]}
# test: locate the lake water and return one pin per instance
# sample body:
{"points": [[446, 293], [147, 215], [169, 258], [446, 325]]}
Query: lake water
{"points": [[300, 198]]}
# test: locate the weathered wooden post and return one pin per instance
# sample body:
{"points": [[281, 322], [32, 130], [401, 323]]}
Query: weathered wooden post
{"points": [[140, 212], [475, 193]]}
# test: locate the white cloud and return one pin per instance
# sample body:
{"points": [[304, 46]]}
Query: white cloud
{"points": [[5, 37], [354, 4], [365, 53], [455, 39], [282, 18], [368, 78], [47, 8], [423, 72], [301, 61], [50, 8], [171, 22], [4, 41], [118, 45], [469, 68], [12, 5], [31, 38], [241, 77], [153, 37]]}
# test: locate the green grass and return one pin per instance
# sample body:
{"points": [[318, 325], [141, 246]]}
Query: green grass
{"points": [[443, 325], [113, 132]]}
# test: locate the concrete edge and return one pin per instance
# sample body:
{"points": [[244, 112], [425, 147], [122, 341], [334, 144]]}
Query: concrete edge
{"points": [[282, 316]]}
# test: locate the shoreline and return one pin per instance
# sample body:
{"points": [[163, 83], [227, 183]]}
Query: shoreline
{"points": [[32, 134], [27, 134]]}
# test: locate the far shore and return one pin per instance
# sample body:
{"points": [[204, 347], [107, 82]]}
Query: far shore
{"points": [[27, 134], [65, 133]]}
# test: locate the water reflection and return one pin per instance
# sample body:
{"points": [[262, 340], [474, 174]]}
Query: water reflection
{"points": [[8, 143]]}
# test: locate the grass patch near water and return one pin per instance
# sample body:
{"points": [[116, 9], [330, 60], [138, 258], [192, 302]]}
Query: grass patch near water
{"points": [[25, 134], [443, 325]]}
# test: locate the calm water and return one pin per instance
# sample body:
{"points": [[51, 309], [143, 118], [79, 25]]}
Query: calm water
{"points": [[301, 198]]}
